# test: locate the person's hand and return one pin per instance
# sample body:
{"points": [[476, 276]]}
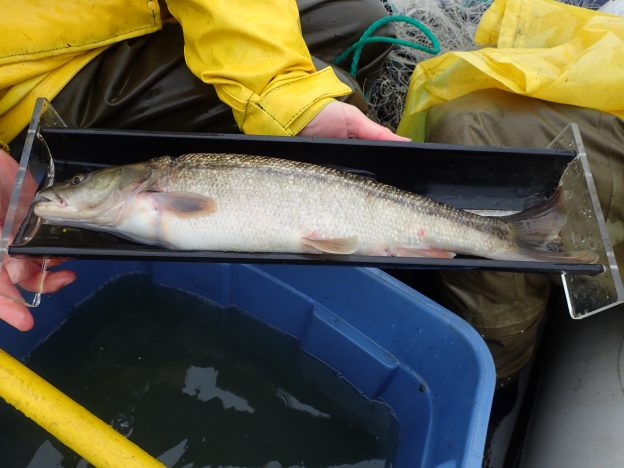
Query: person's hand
{"points": [[25, 272], [340, 120]]}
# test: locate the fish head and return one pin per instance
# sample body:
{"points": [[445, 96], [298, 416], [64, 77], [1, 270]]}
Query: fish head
{"points": [[93, 198]]}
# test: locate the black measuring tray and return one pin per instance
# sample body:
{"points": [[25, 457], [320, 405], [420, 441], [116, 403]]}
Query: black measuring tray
{"points": [[475, 178]]}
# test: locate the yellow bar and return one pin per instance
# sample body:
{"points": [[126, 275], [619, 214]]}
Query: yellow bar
{"points": [[68, 421]]}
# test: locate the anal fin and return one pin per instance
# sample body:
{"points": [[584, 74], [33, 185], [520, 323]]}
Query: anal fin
{"points": [[429, 252], [344, 245]]}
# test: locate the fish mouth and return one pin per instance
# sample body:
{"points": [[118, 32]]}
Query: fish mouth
{"points": [[48, 204], [47, 198]]}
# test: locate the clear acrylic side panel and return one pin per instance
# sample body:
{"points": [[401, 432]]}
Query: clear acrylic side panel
{"points": [[586, 230], [36, 170]]}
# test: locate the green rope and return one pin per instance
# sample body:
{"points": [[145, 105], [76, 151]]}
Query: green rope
{"points": [[366, 38]]}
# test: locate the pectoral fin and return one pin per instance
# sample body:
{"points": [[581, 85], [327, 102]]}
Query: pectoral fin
{"points": [[345, 245], [184, 204]]}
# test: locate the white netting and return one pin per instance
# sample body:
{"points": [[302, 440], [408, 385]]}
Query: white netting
{"points": [[453, 22]]}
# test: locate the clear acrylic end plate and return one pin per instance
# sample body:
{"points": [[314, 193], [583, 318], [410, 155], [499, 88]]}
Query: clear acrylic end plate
{"points": [[36, 169], [586, 230]]}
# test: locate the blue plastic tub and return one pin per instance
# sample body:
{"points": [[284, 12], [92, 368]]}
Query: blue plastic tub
{"points": [[388, 340]]}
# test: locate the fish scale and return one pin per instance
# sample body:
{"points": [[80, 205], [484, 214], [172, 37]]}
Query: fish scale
{"points": [[262, 200]]}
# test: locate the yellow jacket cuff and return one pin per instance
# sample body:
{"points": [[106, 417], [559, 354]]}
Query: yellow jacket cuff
{"points": [[257, 60], [288, 107]]}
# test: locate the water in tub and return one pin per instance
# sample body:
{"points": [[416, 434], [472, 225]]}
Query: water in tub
{"points": [[197, 385]]}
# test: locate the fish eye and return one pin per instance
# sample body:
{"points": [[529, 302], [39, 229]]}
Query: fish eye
{"points": [[78, 178]]}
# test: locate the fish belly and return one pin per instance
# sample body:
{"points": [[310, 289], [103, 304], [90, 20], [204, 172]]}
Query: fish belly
{"points": [[280, 207], [286, 224]]}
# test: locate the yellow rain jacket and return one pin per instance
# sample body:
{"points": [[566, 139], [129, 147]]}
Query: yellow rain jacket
{"points": [[543, 49], [251, 51]]}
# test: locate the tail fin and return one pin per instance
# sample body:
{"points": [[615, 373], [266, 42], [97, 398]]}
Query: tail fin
{"points": [[537, 233]]}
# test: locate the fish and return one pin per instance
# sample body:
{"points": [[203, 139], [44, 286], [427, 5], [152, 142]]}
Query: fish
{"points": [[246, 203]]}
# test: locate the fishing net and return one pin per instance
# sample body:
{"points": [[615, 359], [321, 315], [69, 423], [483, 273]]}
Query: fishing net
{"points": [[452, 22]]}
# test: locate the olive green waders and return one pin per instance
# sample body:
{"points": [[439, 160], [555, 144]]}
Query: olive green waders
{"points": [[507, 308]]}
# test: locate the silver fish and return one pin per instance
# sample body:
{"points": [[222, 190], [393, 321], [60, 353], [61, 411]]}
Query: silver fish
{"points": [[240, 203]]}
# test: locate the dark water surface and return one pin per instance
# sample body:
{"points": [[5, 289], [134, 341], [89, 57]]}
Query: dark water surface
{"points": [[197, 386]]}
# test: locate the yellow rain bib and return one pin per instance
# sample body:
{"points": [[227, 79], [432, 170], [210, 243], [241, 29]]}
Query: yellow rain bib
{"points": [[44, 44], [543, 49]]}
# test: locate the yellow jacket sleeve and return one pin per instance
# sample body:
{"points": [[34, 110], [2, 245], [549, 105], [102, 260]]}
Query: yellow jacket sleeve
{"points": [[254, 54], [44, 44]]}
